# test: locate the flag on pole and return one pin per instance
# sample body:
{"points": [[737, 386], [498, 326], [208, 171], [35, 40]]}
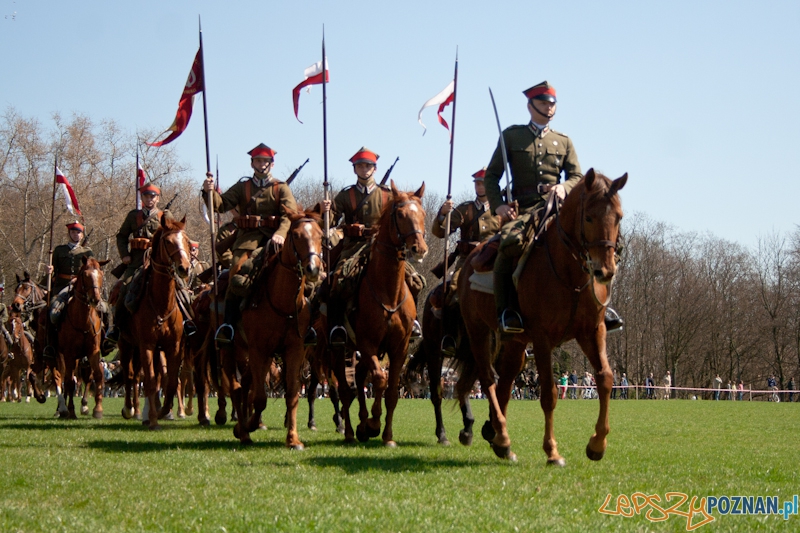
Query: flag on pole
{"points": [[194, 85], [140, 181], [313, 76], [69, 195], [443, 99]]}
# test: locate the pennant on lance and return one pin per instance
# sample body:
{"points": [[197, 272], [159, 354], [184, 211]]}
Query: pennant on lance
{"points": [[313, 76], [194, 85], [69, 195], [140, 180], [443, 99]]}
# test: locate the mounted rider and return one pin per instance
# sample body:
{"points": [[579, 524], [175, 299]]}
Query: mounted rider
{"points": [[193, 283], [133, 239], [359, 206], [263, 221], [537, 156], [4, 316]]}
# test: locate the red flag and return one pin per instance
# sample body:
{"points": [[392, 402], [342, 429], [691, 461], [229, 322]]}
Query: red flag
{"points": [[313, 76], [443, 99], [69, 195], [140, 180], [194, 85]]}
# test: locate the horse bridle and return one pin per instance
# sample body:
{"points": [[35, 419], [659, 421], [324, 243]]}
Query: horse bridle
{"points": [[163, 268], [28, 303], [299, 264], [83, 296], [402, 246]]}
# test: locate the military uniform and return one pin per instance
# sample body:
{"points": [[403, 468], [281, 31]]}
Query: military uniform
{"points": [[67, 262], [4, 319], [225, 257], [135, 234]]}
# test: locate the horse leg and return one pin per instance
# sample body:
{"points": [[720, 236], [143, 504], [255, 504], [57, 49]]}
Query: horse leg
{"points": [[333, 394], [201, 388], [548, 399], [508, 365], [147, 355], [435, 378], [379, 383], [69, 386], [99, 383], [362, 370], [173, 357], [293, 359], [58, 380], [259, 366], [189, 389], [396, 359], [594, 346], [311, 396], [345, 394], [86, 378]]}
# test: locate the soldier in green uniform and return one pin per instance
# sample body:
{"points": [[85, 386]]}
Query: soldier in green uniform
{"points": [[263, 221], [4, 316], [225, 238], [537, 156], [196, 268], [133, 238], [67, 258], [359, 206]]}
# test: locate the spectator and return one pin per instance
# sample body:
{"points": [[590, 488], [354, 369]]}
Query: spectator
{"points": [[650, 384], [623, 394], [667, 385], [615, 383], [731, 389], [741, 390], [791, 387], [718, 386], [587, 386], [562, 385], [772, 385], [573, 389]]}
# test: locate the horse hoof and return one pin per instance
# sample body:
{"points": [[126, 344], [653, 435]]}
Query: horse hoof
{"points": [[465, 437], [126, 414], [312, 426], [504, 452], [155, 427], [487, 431], [443, 441], [220, 418], [349, 440], [137, 416], [390, 444], [84, 410], [373, 432], [297, 447], [361, 435], [41, 399], [204, 423], [236, 432], [145, 422], [261, 427], [340, 430], [98, 415], [63, 415], [169, 416], [27, 399], [189, 412], [72, 416], [247, 441], [594, 456], [560, 462]]}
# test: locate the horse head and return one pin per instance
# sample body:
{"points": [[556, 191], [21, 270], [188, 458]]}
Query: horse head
{"points": [[305, 242], [171, 247], [26, 294], [89, 282], [406, 218], [592, 213]]}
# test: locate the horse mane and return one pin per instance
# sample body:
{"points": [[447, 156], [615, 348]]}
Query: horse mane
{"points": [[167, 225], [91, 262], [600, 187]]}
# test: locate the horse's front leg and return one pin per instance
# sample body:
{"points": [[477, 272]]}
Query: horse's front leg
{"points": [[99, 380], [173, 356], [293, 359], [397, 357], [69, 385], [261, 358], [549, 398], [147, 354], [594, 346]]}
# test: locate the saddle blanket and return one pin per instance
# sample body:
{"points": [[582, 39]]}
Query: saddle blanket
{"points": [[482, 282]]}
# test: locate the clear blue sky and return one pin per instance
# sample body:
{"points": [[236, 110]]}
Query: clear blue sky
{"points": [[697, 101]]}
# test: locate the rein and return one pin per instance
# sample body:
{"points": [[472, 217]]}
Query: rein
{"points": [[83, 297], [165, 270]]}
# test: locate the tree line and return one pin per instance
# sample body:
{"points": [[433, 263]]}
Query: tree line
{"points": [[694, 304]]}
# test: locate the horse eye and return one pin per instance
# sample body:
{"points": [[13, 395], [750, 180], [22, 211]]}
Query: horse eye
{"points": [[589, 220]]}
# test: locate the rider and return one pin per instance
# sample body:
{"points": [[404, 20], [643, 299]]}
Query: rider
{"points": [[4, 316], [537, 156], [196, 268], [260, 200], [133, 238], [360, 205]]}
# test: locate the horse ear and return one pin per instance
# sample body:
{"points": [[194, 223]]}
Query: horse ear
{"points": [[317, 209], [104, 262], [163, 220], [420, 191], [183, 220], [84, 260], [18, 280], [589, 179], [617, 184], [27, 276], [395, 192]]}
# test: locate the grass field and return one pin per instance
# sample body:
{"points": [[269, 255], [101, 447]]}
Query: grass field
{"points": [[113, 475]]}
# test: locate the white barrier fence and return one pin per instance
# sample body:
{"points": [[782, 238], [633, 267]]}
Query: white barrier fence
{"points": [[643, 392]]}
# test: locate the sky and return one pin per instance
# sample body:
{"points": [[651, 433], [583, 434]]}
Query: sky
{"points": [[695, 100]]}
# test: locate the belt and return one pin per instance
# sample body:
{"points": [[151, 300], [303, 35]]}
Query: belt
{"points": [[67, 276]]}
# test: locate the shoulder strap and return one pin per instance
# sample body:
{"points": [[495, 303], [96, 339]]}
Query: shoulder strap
{"points": [[353, 201], [247, 192], [139, 218]]}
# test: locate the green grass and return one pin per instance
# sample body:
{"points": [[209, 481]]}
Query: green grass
{"points": [[113, 475]]}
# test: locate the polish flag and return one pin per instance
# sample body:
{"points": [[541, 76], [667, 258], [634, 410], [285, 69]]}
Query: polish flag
{"points": [[312, 76], [443, 99], [69, 195], [140, 179]]}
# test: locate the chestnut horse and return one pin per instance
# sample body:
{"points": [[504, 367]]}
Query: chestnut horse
{"points": [[156, 327], [564, 288], [19, 357], [29, 302], [275, 320], [385, 313], [79, 334]]}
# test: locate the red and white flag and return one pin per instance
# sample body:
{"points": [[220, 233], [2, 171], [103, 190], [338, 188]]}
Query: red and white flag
{"points": [[312, 76], [443, 99], [69, 195], [140, 179], [194, 85]]}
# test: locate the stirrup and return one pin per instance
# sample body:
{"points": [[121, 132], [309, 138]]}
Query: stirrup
{"points": [[310, 338], [613, 321], [49, 352], [416, 330], [511, 322], [189, 327], [448, 346], [218, 336], [338, 336]]}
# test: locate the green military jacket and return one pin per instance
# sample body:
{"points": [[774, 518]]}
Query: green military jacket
{"points": [[265, 201], [197, 268], [476, 223], [67, 263], [368, 214], [225, 257], [533, 159], [138, 224]]}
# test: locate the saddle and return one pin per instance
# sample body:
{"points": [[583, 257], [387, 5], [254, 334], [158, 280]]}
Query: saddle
{"points": [[484, 259], [242, 283], [59, 305]]}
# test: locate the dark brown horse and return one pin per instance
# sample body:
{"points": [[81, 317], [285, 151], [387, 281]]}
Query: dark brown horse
{"points": [[154, 333], [276, 321], [385, 313], [320, 370], [19, 357], [29, 302], [79, 334], [563, 291]]}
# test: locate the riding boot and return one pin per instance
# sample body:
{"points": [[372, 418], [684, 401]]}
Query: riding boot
{"points": [[225, 332], [508, 318], [613, 321], [7, 335]]}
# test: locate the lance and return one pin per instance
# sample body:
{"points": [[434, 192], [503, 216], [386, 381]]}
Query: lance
{"points": [[326, 186], [52, 222], [294, 174], [449, 195], [389, 172], [137, 194], [509, 195]]}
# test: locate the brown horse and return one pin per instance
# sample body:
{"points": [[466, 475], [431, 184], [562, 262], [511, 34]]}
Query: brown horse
{"points": [[29, 302], [385, 313], [320, 370], [79, 334], [19, 357], [276, 320], [563, 291], [152, 336]]}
